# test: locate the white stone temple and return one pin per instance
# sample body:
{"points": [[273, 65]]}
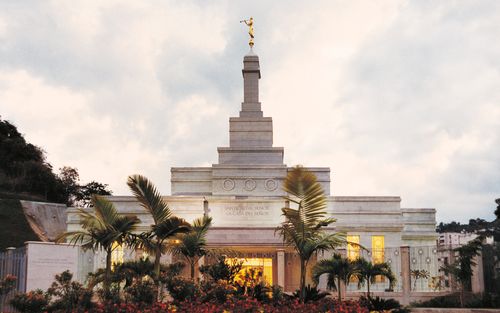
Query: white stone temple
{"points": [[243, 194]]}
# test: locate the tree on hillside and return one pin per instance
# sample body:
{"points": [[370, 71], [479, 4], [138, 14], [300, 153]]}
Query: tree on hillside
{"points": [[24, 169], [69, 178], [497, 211], [85, 192]]}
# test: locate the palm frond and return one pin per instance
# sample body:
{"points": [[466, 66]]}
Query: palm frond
{"points": [[149, 198]]}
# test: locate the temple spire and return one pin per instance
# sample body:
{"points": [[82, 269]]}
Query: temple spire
{"points": [[251, 74]]}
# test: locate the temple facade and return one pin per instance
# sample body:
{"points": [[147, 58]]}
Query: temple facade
{"points": [[243, 194]]}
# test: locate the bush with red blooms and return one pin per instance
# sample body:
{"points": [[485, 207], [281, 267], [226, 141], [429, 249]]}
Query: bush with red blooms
{"points": [[239, 305]]}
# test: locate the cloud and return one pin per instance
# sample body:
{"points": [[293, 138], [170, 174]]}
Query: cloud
{"points": [[398, 98]]}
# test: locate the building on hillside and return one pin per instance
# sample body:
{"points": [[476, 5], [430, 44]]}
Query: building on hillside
{"points": [[243, 194]]}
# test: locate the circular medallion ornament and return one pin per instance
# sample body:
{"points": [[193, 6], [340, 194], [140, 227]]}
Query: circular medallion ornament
{"points": [[228, 184], [271, 184], [250, 184]]}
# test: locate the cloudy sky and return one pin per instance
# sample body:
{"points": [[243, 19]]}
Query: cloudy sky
{"points": [[397, 97]]}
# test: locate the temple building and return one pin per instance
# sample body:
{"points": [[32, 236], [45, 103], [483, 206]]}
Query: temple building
{"points": [[243, 194]]}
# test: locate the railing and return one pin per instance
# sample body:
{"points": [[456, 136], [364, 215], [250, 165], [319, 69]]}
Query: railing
{"points": [[13, 262]]}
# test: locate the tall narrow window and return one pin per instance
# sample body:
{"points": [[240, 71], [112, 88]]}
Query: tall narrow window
{"points": [[353, 247], [116, 254], [378, 246]]}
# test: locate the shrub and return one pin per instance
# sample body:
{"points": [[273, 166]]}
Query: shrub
{"points": [[448, 301], [222, 269], [111, 296], [217, 292], [68, 294], [381, 304], [311, 294], [141, 292], [31, 302], [181, 289], [7, 284]]}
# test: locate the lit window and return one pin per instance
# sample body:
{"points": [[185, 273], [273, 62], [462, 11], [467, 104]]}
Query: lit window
{"points": [[378, 246], [353, 247], [116, 254], [263, 265]]}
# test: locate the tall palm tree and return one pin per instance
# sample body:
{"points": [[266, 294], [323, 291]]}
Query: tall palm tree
{"points": [[302, 228], [367, 272], [338, 268], [166, 226], [101, 229], [193, 245]]}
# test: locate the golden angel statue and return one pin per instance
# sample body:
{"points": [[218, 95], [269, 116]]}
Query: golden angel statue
{"points": [[249, 23]]}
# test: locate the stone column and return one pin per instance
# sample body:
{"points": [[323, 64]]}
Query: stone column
{"points": [[405, 273], [280, 256]]}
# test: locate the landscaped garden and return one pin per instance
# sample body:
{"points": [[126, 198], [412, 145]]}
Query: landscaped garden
{"points": [[223, 285]]}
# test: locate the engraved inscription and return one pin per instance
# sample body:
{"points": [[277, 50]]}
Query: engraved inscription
{"points": [[247, 211]]}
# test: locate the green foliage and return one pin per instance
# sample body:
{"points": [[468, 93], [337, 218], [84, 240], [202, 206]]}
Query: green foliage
{"points": [[491, 257], [419, 274], [25, 171], [101, 229], [84, 193], [497, 211], [69, 295], [311, 293], [181, 289], [486, 300], [302, 228], [110, 295], [461, 269], [252, 284], [217, 291], [7, 284], [380, 304], [337, 269], [193, 244], [15, 230], [448, 301], [31, 302], [474, 226], [367, 272], [166, 226], [141, 292], [222, 269]]}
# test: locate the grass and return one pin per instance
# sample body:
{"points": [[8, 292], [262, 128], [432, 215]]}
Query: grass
{"points": [[14, 228]]}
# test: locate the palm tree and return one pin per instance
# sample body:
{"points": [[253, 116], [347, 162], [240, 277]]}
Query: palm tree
{"points": [[462, 268], [166, 226], [367, 272], [101, 229], [337, 268], [193, 245], [302, 228]]}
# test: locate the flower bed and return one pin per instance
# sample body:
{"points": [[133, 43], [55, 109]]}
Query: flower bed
{"points": [[239, 306]]}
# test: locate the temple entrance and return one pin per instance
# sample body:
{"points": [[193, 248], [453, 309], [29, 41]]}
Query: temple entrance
{"points": [[255, 267]]}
